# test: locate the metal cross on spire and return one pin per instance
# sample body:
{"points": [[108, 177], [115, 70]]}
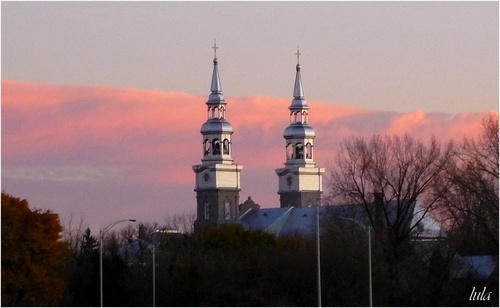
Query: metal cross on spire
{"points": [[298, 55], [215, 49]]}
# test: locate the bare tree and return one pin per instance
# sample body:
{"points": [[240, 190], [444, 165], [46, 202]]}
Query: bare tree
{"points": [[401, 170], [182, 222], [74, 230], [386, 176], [470, 206]]}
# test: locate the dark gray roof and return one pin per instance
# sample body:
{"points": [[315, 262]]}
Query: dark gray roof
{"points": [[479, 266], [281, 221], [302, 220], [216, 126]]}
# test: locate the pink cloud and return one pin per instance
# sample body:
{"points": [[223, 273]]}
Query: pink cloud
{"points": [[73, 148], [442, 126]]}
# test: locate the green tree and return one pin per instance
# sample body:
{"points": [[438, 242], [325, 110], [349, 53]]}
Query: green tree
{"points": [[33, 254]]}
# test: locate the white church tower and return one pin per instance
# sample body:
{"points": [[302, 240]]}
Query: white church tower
{"points": [[217, 177], [300, 181]]}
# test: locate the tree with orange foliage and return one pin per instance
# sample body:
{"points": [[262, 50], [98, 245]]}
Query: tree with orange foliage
{"points": [[32, 255]]}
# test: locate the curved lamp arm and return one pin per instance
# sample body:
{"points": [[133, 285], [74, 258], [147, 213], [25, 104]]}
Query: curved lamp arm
{"points": [[111, 225], [364, 227], [101, 234]]}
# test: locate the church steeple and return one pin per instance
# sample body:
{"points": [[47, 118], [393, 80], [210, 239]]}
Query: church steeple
{"points": [[300, 182], [216, 130], [299, 134], [217, 177]]}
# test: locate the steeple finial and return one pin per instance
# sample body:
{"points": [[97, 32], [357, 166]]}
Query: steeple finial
{"points": [[298, 55], [215, 49]]}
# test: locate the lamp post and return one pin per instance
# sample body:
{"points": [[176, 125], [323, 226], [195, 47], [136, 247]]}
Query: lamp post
{"points": [[152, 245], [101, 236], [368, 230], [318, 255]]}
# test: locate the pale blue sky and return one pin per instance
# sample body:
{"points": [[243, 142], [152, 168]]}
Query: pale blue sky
{"points": [[394, 56]]}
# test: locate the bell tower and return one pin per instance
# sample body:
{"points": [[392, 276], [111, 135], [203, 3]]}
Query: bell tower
{"points": [[300, 181], [217, 178]]}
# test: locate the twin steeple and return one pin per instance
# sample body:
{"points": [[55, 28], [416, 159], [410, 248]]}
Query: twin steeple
{"points": [[299, 135], [218, 177], [216, 130], [300, 181]]}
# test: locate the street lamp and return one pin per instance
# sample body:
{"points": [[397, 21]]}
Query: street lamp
{"points": [[368, 230], [154, 268], [318, 255], [101, 236]]}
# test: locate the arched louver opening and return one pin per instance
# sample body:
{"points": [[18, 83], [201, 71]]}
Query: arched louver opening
{"points": [[225, 146], [299, 151], [216, 147], [206, 147], [289, 151], [309, 153], [222, 112]]}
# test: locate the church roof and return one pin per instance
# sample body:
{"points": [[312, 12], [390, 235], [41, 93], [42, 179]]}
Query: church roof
{"points": [[281, 221], [216, 126], [302, 220], [299, 130]]}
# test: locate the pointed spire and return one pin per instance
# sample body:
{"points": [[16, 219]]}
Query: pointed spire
{"points": [[298, 90], [216, 87]]}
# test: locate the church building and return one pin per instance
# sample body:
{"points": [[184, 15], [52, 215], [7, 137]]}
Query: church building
{"points": [[300, 181], [217, 178]]}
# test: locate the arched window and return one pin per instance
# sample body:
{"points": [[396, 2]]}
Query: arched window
{"points": [[216, 147], [206, 147], [289, 151], [227, 210], [309, 153], [206, 209], [299, 151], [222, 112], [225, 146]]}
